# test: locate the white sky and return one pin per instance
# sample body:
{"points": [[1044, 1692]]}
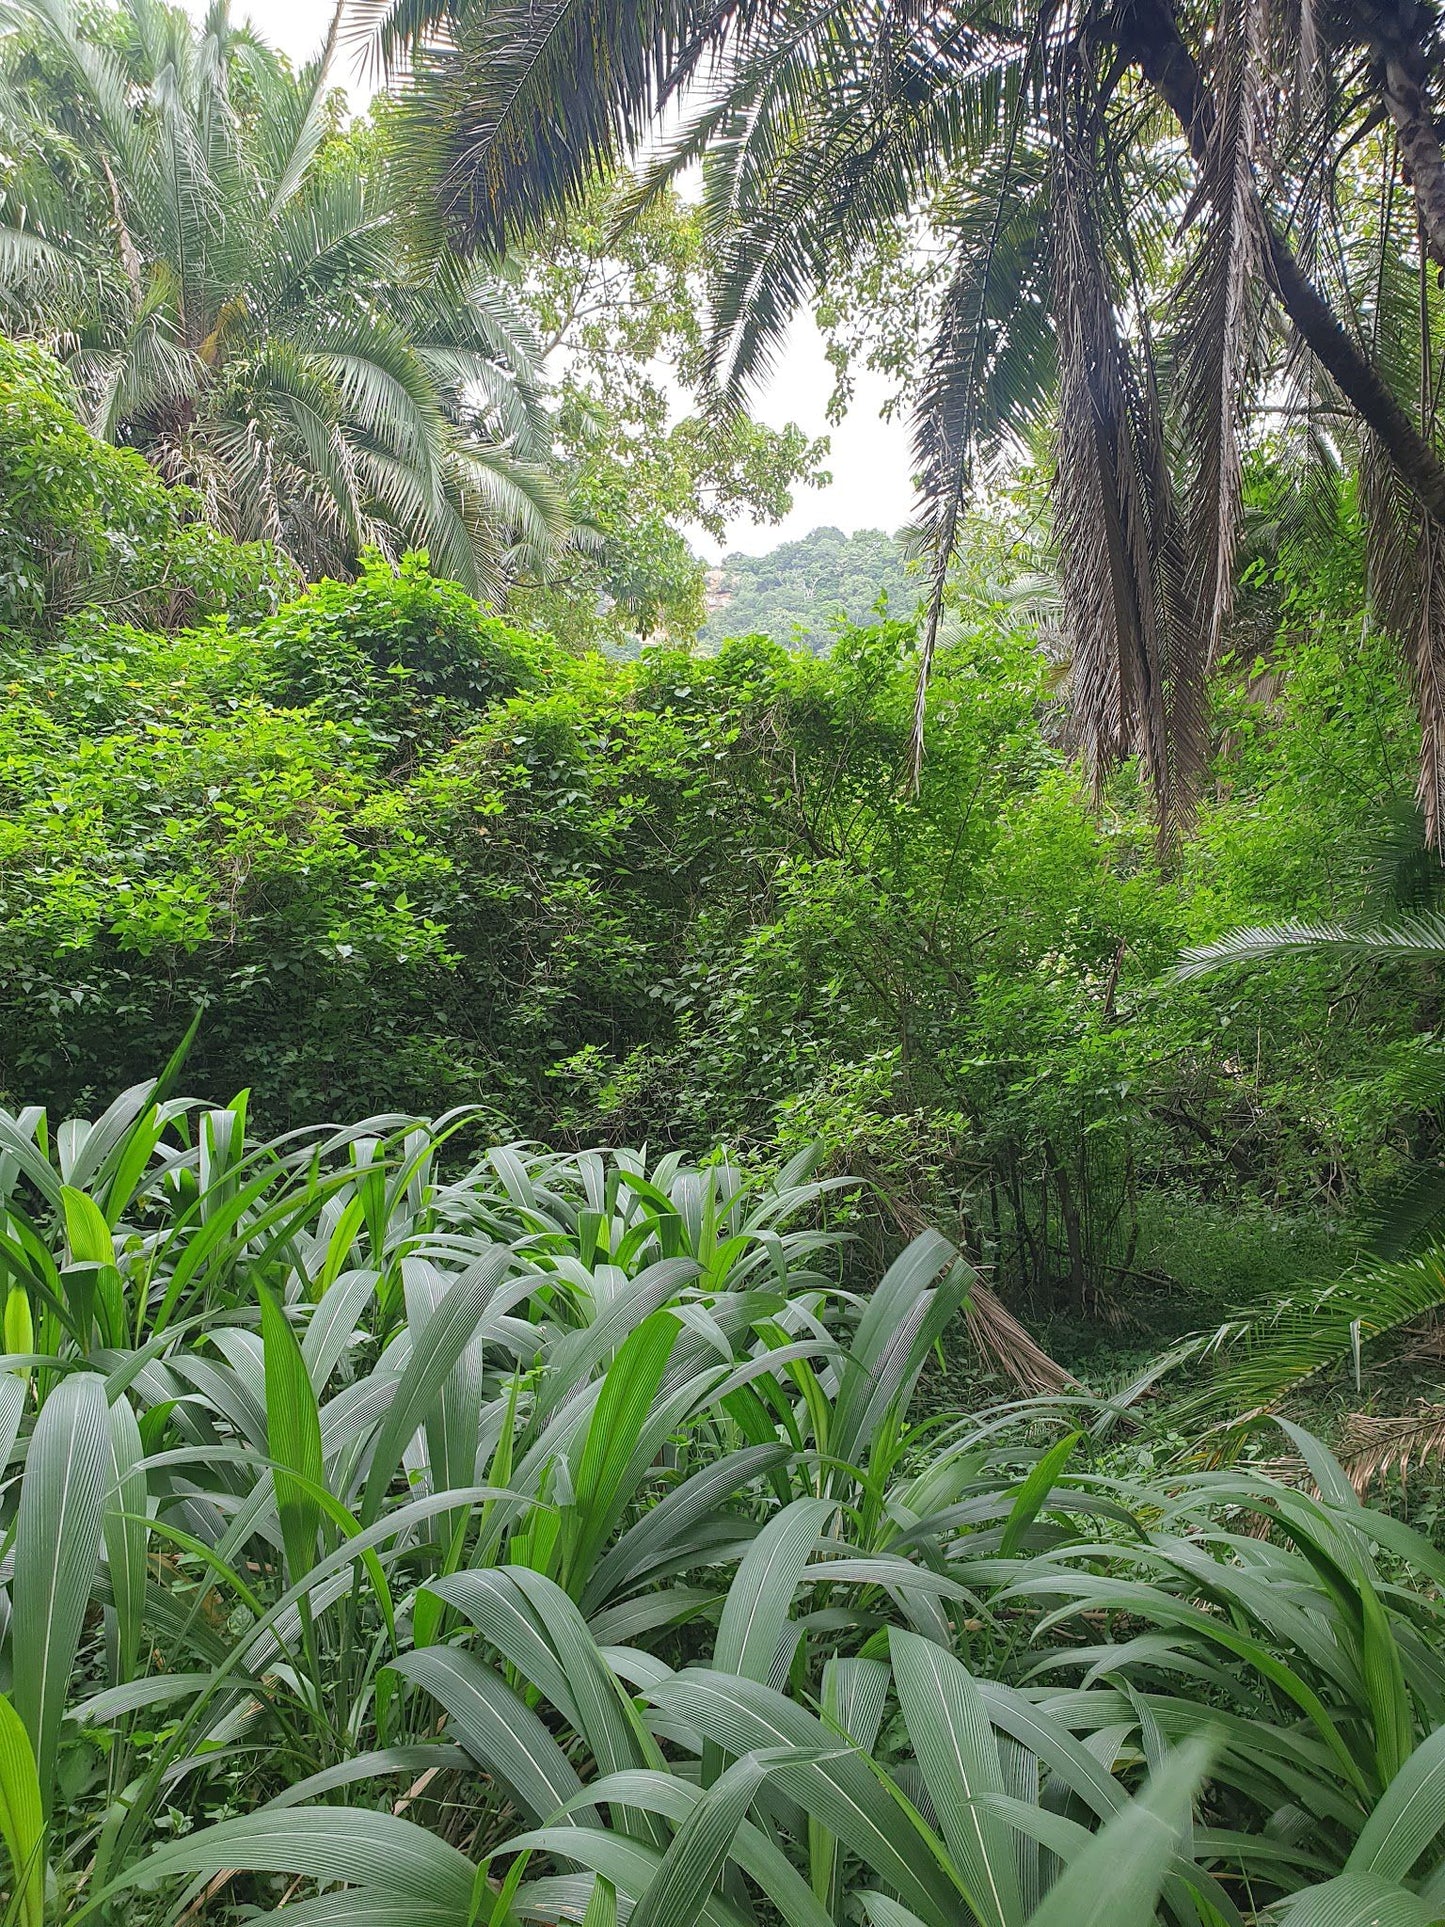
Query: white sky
{"points": [[871, 485]]}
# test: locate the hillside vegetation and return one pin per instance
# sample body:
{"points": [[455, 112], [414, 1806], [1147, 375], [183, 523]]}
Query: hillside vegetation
{"points": [[801, 593]]}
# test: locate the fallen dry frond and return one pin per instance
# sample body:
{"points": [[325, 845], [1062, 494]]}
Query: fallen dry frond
{"points": [[1002, 1340], [1371, 1447]]}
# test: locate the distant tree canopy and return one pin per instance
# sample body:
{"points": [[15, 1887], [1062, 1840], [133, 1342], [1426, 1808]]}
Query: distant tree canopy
{"points": [[801, 592]]}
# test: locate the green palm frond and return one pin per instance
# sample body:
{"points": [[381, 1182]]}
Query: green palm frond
{"points": [[1410, 939], [553, 90], [1261, 1358], [248, 312]]}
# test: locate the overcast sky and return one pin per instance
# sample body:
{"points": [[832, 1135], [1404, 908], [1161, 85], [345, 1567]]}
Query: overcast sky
{"points": [[869, 460]]}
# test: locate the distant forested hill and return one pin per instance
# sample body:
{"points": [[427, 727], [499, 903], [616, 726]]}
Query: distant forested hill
{"points": [[796, 593]]}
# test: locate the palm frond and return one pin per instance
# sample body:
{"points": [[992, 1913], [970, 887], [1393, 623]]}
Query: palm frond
{"points": [[1220, 302], [1371, 1448], [993, 366], [1413, 939], [1262, 1357], [1114, 516], [553, 92]]}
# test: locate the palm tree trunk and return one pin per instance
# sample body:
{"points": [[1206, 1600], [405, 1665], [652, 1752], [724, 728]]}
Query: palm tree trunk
{"points": [[1397, 32], [1147, 33]]}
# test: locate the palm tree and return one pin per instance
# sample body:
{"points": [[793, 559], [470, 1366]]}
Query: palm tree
{"points": [[1147, 205], [223, 271]]}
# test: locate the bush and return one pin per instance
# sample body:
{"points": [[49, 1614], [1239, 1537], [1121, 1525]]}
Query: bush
{"points": [[408, 658]]}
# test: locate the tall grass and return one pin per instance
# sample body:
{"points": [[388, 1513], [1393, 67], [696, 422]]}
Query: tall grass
{"points": [[396, 1534]]}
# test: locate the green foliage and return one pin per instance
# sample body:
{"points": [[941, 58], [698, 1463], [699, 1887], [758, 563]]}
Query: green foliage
{"points": [[82, 524], [802, 593], [620, 312], [397, 654], [397, 848], [224, 268], [556, 1529]]}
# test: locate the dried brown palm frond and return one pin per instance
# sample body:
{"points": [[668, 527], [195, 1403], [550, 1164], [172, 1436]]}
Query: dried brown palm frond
{"points": [[1118, 533], [1426, 639], [1373, 1447], [1004, 1342], [1220, 302], [1407, 589], [999, 1337]]}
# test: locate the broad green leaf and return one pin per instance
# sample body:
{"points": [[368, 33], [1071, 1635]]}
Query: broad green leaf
{"points": [[441, 1343], [760, 1597], [504, 1736], [754, 1849], [365, 1848], [57, 1550], [867, 1384], [1409, 1815], [125, 1533], [602, 1907], [1117, 1880], [358, 1907], [383, 1761], [628, 1865], [760, 1600], [1392, 1717], [293, 1436], [86, 1231], [19, 1323], [957, 1753], [646, 1544], [621, 1411], [1034, 1492], [22, 1818], [741, 1716], [680, 1889], [1357, 1900], [884, 1911]]}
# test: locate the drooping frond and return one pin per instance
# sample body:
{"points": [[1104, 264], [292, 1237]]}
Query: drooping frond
{"points": [[553, 91], [1219, 305], [1413, 939], [1262, 1357], [993, 364], [1003, 1343], [1115, 524], [829, 141]]}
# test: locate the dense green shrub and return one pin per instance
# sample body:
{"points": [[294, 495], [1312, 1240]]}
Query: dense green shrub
{"points": [[406, 658]]}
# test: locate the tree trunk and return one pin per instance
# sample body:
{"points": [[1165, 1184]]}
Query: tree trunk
{"points": [[1397, 32]]}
